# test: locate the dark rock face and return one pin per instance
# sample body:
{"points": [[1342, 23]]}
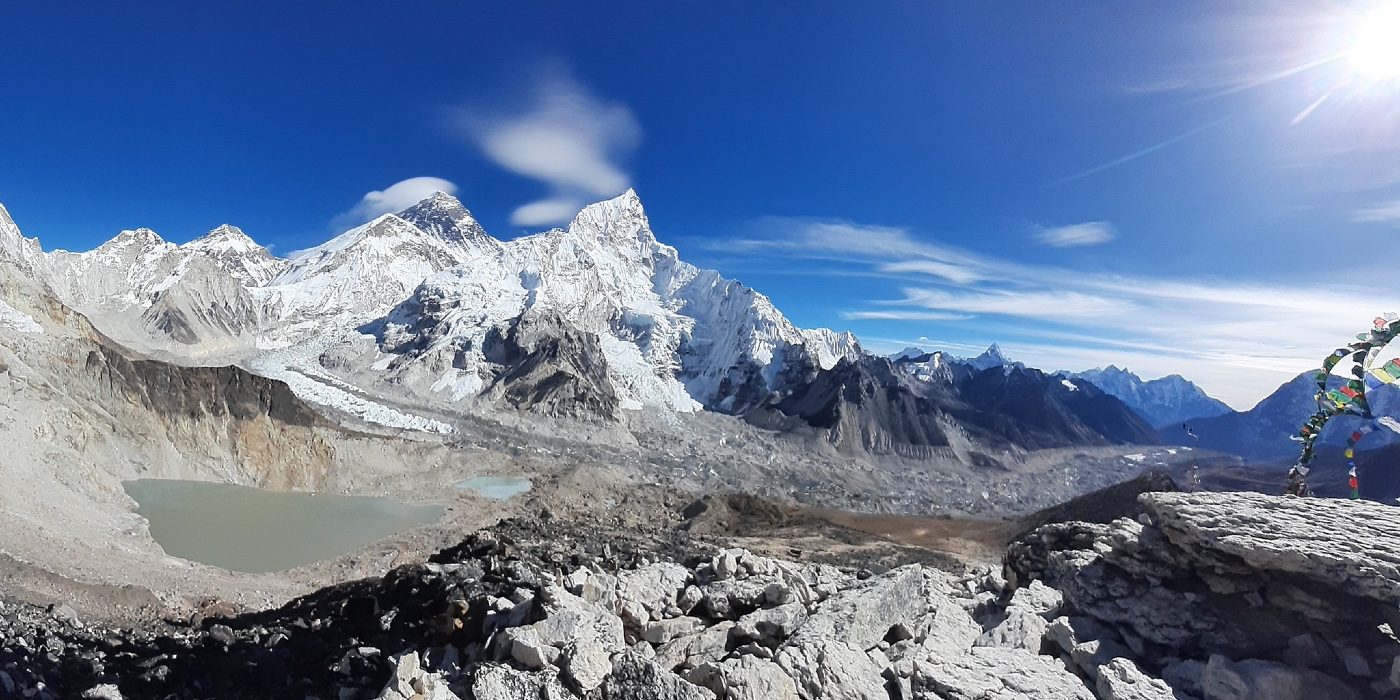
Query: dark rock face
{"points": [[1041, 410], [193, 392], [870, 405], [550, 367]]}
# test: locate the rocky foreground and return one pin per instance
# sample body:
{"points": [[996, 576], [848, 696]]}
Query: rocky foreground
{"points": [[1202, 596]]}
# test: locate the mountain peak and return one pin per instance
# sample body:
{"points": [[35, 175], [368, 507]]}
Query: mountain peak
{"points": [[224, 237], [620, 219], [991, 357], [907, 353], [444, 216], [138, 236]]}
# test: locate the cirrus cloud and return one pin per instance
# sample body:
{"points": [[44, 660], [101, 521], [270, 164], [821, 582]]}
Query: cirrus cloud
{"points": [[1076, 235]]}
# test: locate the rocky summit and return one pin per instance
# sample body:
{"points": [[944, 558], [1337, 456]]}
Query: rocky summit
{"points": [[1208, 596]]}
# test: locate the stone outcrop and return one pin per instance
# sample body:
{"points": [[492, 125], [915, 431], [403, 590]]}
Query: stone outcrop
{"points": [[1205, 597], [1224, 596]]}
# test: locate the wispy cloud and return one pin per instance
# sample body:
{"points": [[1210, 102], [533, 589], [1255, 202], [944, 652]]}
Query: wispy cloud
{"points": [[902, 316], [562, 136], [396, 197], [1085, 234], [1240, 340], [1046, 304], [1384, 213]]}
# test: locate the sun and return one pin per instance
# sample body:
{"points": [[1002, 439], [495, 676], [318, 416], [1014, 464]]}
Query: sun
{"points": [[1374, 53]]}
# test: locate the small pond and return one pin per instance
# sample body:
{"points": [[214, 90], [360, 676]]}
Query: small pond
{"points": [[256, 531], [495, 487]]}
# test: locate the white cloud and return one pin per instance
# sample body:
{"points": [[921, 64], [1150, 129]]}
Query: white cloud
{"points": [[1238, 339], [564, 137], [948, 271], [902, 316], [1087, 233], [1388, 212], [1039, 304], [394, 198]]}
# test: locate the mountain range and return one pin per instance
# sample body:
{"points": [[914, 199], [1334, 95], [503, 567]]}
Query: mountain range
{"points": [[1161, 402], [420, 315]]}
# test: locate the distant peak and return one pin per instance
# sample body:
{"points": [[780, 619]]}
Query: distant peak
{"points": [[140, 235], [225, 237], [908, 353]]}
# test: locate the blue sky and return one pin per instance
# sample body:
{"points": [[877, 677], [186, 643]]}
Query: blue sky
{"points": [[1204, 188]]}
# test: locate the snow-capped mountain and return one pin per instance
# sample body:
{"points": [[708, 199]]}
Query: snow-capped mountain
{"points": [[443, 216], [991, 357], [1165, 401], [358, 275], [421, 302], [673, 335], [238, 255]]}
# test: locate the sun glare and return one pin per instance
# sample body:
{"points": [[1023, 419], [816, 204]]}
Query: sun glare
{"points": [[1375, 49]]}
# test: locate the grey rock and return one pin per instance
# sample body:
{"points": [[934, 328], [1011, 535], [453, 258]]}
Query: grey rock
{"points": [[1121, 679], [1022, 629], [689, 598], [1255, 679], [663, 631], [104, 691], [692, 650], [1091, 655], [833, 669], [656, 587], [222, 634], [863, 615], [1069, 632], [772, 625], [637, 678], [726, 563], [1354, 661], [746, 678], [1185, 676], [991, 673], [501, 682]]}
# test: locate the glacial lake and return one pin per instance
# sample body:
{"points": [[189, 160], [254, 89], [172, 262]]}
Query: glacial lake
{"points": [[256, 531], [495, 487]]}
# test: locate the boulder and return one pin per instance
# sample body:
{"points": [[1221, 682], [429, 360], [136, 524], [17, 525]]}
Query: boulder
{"points": [[711, 644], [864, 614], [832, 669], [772, 625], [662, 631], [746, 678], [1121, 679], [501, 682], [991, 673], [636, 678], [1255, 679], [656, 586]]}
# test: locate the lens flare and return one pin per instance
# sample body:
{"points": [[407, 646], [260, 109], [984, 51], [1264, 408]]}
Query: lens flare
{"points": [[1375, 49]]}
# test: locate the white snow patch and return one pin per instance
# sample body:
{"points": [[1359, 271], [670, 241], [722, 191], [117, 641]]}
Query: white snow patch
{"points": [[1135, 457], [13, 318], [1069, 385]]}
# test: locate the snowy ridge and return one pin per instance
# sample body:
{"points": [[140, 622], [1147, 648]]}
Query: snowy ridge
{"points": [[674, 336], [413, 301]]}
